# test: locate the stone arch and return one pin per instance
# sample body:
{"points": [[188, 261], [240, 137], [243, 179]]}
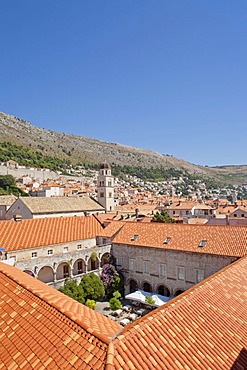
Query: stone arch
{"points": [[63, 270], [79, 267], [29, 272], [93, 264], [46, 274], [178, 291], [133, 286], [105, 259], [163, 290], [147, 287]]}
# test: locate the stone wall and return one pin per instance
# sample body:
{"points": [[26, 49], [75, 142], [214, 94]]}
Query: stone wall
{"points": [[196, 266]]}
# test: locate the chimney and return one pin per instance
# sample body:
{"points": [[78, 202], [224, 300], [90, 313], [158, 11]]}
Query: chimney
{"points": [[17, 218]]}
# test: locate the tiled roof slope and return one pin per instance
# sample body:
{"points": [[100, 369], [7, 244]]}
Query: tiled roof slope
{"points": [[7, 200], [204, 328], [111, 229], [221, 240], [41, 328], [46, 231], [39, 205]]}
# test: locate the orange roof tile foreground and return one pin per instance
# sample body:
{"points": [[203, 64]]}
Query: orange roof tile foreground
{"points": [[47, 231], [204, 328], [221, 240], [41, 328]]}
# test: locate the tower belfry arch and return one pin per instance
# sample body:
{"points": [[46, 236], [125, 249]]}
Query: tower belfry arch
{"points": [[106, 187]]}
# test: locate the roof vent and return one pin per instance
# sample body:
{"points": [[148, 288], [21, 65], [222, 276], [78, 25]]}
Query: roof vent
{"points": [[202, 244], [166, 241], [134, 237], [17, 218]]}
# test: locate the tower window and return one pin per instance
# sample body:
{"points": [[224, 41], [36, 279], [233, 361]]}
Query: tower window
{"points": [[101, 195]]}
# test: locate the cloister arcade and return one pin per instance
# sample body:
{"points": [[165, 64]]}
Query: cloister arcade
{"points": [[132, 285], [68, 269]]}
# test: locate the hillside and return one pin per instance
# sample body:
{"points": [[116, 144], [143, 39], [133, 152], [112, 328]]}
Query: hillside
{"points": [[84, 150]]}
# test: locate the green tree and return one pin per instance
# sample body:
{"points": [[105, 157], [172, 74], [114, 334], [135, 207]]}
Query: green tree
{"points": [[92, 287], [115, 303], [73, 290], [149, 300], [162, 217], [7, 181], [91, 304]]}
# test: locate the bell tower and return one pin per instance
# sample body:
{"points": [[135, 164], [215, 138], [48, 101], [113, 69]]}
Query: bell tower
{"points": [[106, 187]]}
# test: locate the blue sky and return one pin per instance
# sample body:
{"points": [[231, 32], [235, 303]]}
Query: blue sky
{"points": [[170, 76]]}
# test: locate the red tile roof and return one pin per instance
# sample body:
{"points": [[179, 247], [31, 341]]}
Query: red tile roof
{"points": [[204, 328], [111, 229], [42, 328], [221, 240], [46, 231]]}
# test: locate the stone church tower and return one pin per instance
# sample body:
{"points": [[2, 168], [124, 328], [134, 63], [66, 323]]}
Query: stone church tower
{"points": [[106, 187]]}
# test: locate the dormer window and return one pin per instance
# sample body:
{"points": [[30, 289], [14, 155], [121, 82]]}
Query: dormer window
{"points": [[202, 244], [134, 237], [166, 241]]}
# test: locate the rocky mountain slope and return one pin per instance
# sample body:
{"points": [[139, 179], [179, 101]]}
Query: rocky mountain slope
{"points": [[88, 150]]}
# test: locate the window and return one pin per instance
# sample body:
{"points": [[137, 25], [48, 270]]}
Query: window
{"points": [[174, 212], [109, 183], [79, 267], [79, 246], [162, 269], [181, 273], [101, 195], [65, 249], [119, 261], [50, 252], [199, 275], [65, 271], [34, 254], [242, 214], [110, 195], [166, 241], [132, 264], [235, 215], [146, 267], [134, 237], [202, 244], [104, 241]]}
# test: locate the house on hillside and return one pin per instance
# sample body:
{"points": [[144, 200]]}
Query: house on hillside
{"points": [[40, 207]]}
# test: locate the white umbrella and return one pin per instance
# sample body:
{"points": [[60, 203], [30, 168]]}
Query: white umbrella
{"points": [[159, 300]]}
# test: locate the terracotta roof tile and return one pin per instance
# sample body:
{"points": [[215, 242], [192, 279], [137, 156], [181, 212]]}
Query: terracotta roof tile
{"points": [[111, 229], [221, 240], [204, 328], [46, 231], [52, 333]]}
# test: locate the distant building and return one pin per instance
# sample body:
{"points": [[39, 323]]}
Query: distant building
{"points": [[40, 207], [106, 187]]}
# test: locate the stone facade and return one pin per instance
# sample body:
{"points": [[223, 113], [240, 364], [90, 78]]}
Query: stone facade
{"points": [[167, 272], [54, 263]]}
